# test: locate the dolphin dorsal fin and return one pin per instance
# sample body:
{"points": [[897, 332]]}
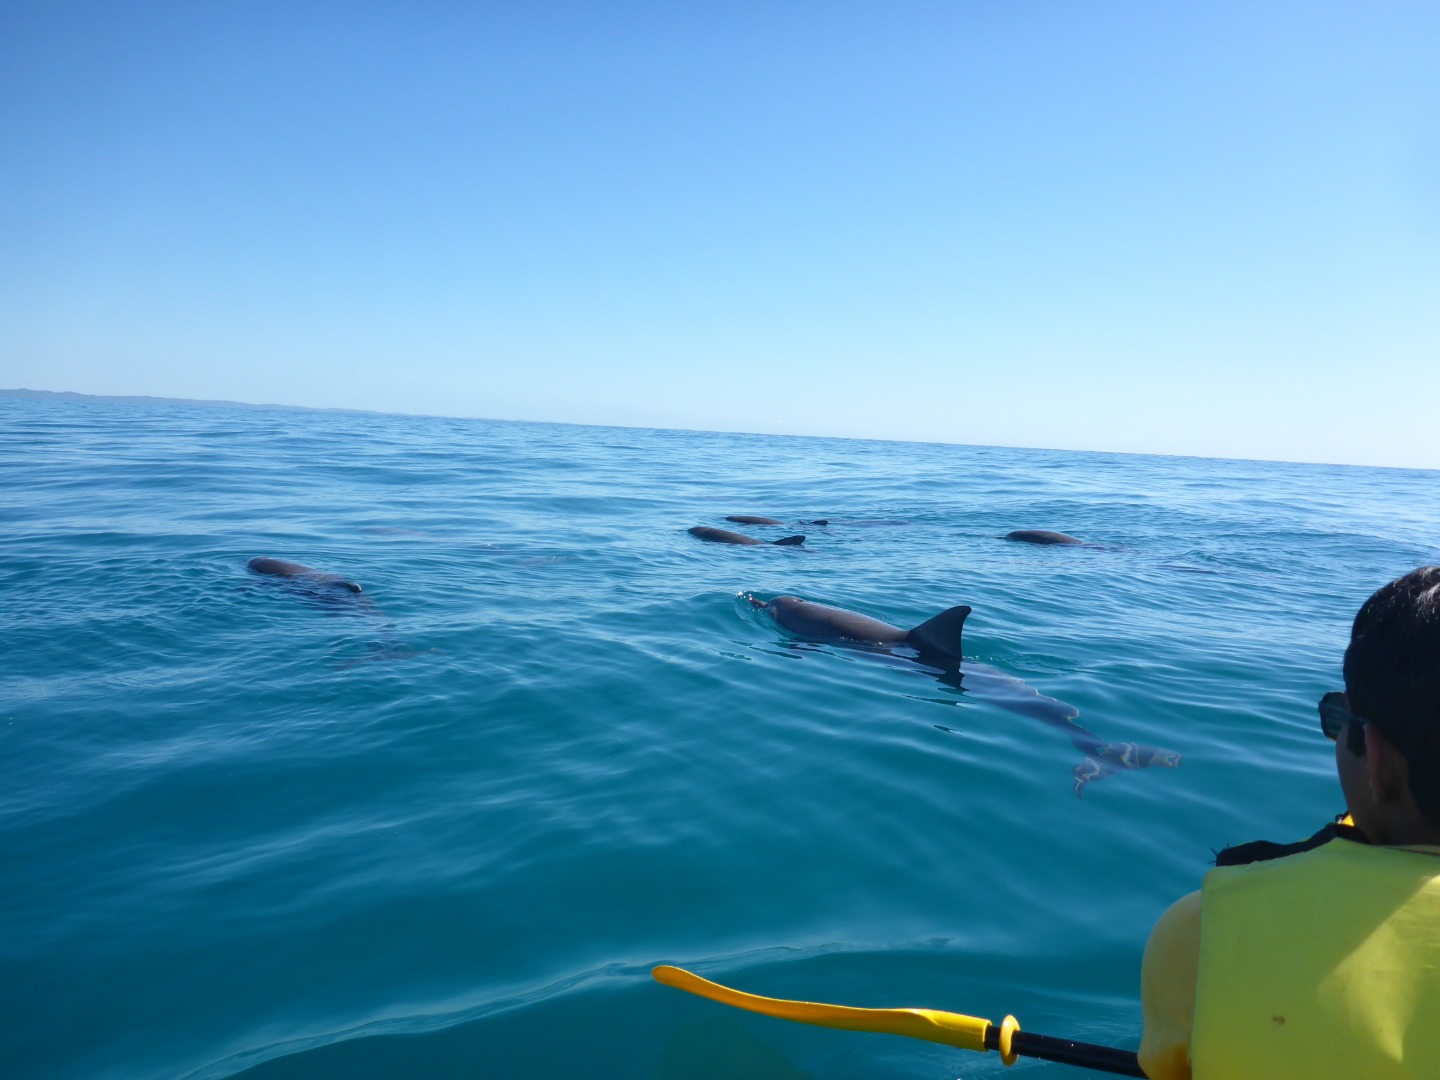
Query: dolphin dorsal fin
{"points": [[940, 636], [789, 541]]}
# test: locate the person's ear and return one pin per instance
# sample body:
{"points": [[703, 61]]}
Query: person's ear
{"points": [[1385, 767]]}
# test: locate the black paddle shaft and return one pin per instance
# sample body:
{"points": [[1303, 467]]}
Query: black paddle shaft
{"points": [[1067, 1052]]}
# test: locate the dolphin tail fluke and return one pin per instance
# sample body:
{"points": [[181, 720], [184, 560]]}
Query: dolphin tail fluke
{"points": [[940, 637], [1102, 759], [1090, 770], [789, 541]]}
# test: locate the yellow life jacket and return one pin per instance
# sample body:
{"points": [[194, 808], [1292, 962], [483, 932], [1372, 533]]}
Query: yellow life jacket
{"points": [[1321, 964]]}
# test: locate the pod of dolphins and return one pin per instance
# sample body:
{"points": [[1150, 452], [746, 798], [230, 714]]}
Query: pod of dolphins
{"points": [[936, 643]]}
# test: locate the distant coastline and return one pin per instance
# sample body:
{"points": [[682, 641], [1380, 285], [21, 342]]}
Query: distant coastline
{"points": [[141, 399]]}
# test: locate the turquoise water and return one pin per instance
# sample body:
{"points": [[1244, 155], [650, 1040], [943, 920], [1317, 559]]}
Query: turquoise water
{"points": [[445, 828]]}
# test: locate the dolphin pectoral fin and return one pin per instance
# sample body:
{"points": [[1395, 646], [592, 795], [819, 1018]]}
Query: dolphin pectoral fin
{"points": [[789, 541], [941, 636]]}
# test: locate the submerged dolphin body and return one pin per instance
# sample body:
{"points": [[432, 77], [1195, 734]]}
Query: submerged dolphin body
{"points": [[937, 641], [1102, 758], [725, 536]]}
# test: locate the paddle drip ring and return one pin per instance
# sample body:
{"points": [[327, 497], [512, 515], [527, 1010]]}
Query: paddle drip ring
{"points": [[1008, 1027]]}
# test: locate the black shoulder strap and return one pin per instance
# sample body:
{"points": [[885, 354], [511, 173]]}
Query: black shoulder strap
{"points": [[1265, 850]]}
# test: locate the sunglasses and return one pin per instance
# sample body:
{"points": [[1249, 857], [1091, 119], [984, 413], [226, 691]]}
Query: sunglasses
{"points": [[1335, 714]]}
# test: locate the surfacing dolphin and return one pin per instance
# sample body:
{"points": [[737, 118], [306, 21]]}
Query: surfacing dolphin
{"points": [[337, 596], [725, 536], [747, 519], [936, 639], [938, 643], [1041, 536], [302, 574]]}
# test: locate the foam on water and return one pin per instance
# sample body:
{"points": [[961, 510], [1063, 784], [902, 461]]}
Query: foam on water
{"points": [[244, 824]]}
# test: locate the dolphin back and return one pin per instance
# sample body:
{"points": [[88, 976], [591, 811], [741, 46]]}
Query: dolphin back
{"points": [[1042, 536], [286, 569], [722, 536], [725, 536], [940, 637]]}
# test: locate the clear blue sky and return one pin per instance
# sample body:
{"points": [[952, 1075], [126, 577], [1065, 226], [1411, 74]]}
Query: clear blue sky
{"points": [[1203, 229]]}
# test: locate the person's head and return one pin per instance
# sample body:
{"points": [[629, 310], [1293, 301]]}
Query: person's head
{"points": [[1389, 753]]}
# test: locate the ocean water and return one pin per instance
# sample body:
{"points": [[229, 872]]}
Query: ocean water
{"points": [[445, 827]]}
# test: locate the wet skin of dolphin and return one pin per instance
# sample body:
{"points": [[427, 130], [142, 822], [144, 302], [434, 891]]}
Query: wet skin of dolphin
{"points": [[725, 536], [746, 519], [938, 643], [1041, 536], [286, 569], [937, 638]]}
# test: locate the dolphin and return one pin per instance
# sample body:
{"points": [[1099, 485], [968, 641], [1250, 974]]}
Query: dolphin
{"points": [[937, 641], [725, 536], [747, 519], [937, 638], [303, 574], [1041, 536], [338, 596]]}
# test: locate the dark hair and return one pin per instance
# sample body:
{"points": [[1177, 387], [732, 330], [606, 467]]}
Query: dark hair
{"points": [[1392, 676]]}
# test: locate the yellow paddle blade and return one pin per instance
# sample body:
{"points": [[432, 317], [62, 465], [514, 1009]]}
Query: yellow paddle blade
{"points": [[952, 1029]]}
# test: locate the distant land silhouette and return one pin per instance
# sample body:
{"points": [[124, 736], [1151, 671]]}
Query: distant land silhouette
{"points": [[139, 399]]}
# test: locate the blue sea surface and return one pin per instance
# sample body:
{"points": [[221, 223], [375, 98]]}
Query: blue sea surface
{"points": [[444, 828]]}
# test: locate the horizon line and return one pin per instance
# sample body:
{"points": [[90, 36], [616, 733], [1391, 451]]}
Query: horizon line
{"points": [[24, 393]]}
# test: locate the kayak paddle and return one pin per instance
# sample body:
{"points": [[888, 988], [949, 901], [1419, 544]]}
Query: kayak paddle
{"points": [[951, 1029]]}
